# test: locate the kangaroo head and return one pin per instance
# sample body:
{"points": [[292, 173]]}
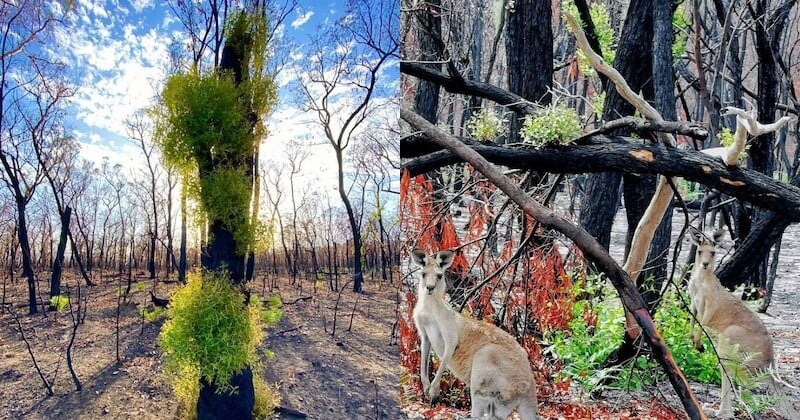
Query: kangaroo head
{"points": [[706, 249], [433, 268]]}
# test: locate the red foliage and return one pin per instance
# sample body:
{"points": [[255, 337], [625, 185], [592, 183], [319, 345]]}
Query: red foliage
{"points": [[409, 346]]}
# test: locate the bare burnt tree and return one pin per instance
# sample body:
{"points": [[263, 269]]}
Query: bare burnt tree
{"points": [[140, 131], [25, 24], [368, 31]]}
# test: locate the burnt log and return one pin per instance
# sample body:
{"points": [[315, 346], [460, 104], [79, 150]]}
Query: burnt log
{"points": [[602, 153]]}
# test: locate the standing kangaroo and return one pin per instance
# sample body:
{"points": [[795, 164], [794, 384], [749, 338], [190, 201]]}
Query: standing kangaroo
{"points": [[486, 358], [738, 333]]}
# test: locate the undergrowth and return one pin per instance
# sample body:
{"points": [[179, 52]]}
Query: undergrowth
{"points": [[597, 329]]}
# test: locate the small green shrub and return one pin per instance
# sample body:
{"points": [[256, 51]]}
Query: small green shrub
{"points": [[266, 398], [603, 30], [551, 124], [487, 125], [209, 333], [273, 313], [140, 286], [151, 315], [583, 349], [59, 302], [725, 137]]}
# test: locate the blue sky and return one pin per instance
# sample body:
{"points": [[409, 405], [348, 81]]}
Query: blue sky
{"points": [[117, 55]]}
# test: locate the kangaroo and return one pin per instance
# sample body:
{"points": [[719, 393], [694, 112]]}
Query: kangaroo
{"points": [[735, 328], [489, 360]]}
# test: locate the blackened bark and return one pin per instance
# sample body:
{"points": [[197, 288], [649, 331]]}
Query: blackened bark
{"points": [[182, 259], [761, 151], [768, 226], [745, 263], [529, 55], [602, 153], [58, 262], [27, 263], [151, 259], [427, 29], [633, 60], [218, 406], [358, 276], [221, 253], [663, 88]]}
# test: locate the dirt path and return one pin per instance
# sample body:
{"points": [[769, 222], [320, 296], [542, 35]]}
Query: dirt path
{"points": [[352, 375], [134, 389]]}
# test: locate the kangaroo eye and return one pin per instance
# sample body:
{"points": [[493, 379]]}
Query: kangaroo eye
{"points": [[438, 276], [713, 253]]}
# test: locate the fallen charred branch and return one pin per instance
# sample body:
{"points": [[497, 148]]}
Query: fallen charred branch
{"points": [[292, 302], [609, 153], [522, 106]]}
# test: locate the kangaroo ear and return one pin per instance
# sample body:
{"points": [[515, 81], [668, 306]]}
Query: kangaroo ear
{"points": [[717, 235], [445, 258], [419, 257]]}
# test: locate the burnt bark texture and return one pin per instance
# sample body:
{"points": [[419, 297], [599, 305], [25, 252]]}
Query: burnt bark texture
{"points": [[633, 61], [529, 53], [58, 262], [764, 228], [613, 153], [427, 31]]}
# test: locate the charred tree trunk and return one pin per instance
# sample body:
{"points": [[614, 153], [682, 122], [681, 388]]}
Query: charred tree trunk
{"points": [[428, 30], [358, 276], [25, 247], [58, 262], [529, 52], [182, 261], [222, 254], [768, 31], [633, 61]]}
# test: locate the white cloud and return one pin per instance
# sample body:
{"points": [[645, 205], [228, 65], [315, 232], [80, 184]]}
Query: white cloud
{"points": [[140, 5], [302, 19], [120, 68], [119, 154]]}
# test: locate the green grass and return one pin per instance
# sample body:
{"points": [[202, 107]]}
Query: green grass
{"points": [[59, 302], [151, 315]]}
